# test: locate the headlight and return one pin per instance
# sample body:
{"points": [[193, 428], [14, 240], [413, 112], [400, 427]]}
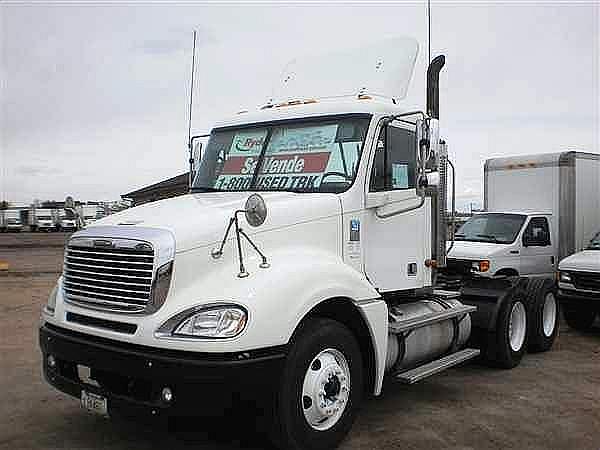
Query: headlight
{"points": [[217, 321], [160, 286], [481, 266], [565, 277], [51, 305]]}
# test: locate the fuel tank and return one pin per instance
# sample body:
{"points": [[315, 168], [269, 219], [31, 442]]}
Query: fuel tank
{"points": [[425, 344]]}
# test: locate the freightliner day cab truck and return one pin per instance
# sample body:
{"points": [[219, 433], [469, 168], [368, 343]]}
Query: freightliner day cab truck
{"points": [[307, 262], [579, 286]]}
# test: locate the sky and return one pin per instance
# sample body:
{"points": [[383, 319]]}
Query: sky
{"points": [[94, 97]]}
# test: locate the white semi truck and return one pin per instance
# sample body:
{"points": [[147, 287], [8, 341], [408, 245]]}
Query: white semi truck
{"points": [[307, 262], [10, 220], [539, 210]]}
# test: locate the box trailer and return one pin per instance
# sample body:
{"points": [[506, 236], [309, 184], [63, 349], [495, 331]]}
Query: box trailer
{"points": [[566, 184], [539, 210]]}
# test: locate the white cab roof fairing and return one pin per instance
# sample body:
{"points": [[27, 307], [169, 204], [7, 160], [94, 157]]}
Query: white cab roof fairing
{"points": [[325, 107], [383, 68]]}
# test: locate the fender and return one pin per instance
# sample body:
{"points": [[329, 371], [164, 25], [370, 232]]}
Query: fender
{"points": [[488, 294]]}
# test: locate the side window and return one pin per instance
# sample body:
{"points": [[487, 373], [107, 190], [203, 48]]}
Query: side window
{"points": [[395, 160], [537, 232]]}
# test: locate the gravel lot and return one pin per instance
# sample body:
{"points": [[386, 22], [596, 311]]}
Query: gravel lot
{"points": [[551, 401]]}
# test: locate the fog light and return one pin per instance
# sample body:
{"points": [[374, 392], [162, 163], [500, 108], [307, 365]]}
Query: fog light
{"points": [[51, 362], [167, 395]]}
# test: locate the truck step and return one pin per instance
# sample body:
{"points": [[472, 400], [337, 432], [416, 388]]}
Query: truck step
{"points": [[402, 326], [437, 366]]}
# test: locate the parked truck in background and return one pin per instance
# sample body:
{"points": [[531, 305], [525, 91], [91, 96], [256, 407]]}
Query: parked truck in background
{"points": [[579, 286], [10, 220], [43, 219], [539, 210], [66, 220], [307, 262], [90, 213]]}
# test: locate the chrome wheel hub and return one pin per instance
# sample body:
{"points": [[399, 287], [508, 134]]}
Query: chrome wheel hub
{"points": [[517, 326], [549, 314], [326, 389]]}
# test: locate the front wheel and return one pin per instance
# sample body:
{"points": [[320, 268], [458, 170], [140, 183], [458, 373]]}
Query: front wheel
{"points": [[321, 388]]}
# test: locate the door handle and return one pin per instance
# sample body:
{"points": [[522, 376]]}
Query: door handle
{"points": [[514, 252]]}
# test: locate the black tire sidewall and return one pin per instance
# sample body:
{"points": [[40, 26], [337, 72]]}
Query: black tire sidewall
{"points": [[505, 356], [316, 335], [537, 340]]}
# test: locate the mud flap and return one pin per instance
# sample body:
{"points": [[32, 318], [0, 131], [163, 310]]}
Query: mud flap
{"points": [[488, 294]]}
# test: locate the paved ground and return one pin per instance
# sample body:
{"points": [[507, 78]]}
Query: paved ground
{"points": [[551, 401]]}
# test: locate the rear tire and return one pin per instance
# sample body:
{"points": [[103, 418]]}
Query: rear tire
{"points": [[579, 317], [508, 342], [543, 314], [323, 351]]}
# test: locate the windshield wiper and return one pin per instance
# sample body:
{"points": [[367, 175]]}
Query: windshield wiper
{"points": [[489, 236]]}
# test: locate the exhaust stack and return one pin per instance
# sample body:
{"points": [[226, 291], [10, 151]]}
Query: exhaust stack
{"points": [[433, 86]]}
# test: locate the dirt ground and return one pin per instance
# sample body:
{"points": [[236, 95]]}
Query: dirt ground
{"points": [[551, 401]]}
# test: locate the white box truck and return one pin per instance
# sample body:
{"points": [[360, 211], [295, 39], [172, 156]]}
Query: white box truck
{"points": [[43, 219], [66, 220], [10, 220], [90, 213], [304, 265], [539, 210]]}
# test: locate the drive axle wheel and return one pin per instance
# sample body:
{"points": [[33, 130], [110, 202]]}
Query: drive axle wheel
{"points": [[543, 316], [321, 388], [508, 341]]}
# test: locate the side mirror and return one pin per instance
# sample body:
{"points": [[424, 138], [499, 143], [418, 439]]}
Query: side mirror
{"points": [[255, 210], [196, 145]]}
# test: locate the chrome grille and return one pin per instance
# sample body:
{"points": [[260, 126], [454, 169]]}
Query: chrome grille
{"points": [[110, 275]]}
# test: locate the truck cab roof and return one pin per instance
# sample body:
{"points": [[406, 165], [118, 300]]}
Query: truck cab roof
{"points": [[523, 213], [305, 108]]}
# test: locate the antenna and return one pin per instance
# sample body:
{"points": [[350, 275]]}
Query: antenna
{"points": [[429, 31], [191, 161]]}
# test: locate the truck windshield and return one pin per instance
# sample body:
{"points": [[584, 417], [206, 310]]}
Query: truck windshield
{"points": [[317, 155], [496, 228], [594, 243]]}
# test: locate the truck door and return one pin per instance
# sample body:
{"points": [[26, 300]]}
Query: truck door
{"points": [[537, 255], [394, 252]]}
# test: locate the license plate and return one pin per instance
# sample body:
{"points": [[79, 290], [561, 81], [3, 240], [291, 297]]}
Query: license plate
{"points": [[94, 403]]}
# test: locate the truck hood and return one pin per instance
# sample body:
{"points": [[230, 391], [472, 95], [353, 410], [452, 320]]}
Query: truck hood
{"points": [[586, 261], [198, 220], [477, 250]]}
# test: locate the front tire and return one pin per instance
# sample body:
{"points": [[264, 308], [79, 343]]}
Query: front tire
{"points": [[321, 388]]}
